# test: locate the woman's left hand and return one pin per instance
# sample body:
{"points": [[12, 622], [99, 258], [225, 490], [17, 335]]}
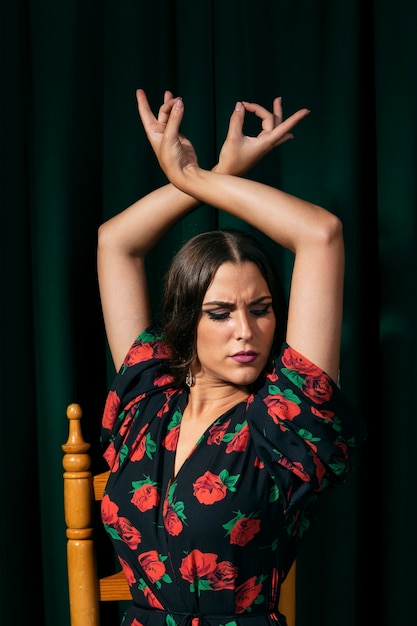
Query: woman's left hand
{"points": [[240, 152]]}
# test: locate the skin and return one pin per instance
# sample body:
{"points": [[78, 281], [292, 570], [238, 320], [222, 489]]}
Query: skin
{"points": [[237, 316], [310, 232], [125, 240]]}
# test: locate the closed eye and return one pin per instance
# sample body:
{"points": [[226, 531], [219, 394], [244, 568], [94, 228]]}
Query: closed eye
{"points": [[224, 315], [213, 315], [261, 312]]}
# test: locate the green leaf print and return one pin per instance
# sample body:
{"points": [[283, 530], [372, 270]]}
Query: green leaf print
{"points": [[175, 420], [288, 394], [229, 481], [150, 446], [229, 436], [293, 376], [137, 484], [307, 435], [230, 524], [112, 532], [124, 451], [274, 493], [177, 507]]}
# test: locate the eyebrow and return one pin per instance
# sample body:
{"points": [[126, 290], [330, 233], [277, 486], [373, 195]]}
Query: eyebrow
{"points": [[224, 303]]}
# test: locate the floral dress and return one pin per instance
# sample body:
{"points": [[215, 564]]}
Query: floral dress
{"points": [[212, 545]]}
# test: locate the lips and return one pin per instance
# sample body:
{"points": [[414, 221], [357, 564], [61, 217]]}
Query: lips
{"points": [[245, 357]]}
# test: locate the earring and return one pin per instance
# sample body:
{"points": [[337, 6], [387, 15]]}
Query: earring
{"points": [[189, 379]]}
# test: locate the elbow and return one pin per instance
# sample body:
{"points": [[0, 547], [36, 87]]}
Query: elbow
{"points": [[103, 235], [329, 230]]}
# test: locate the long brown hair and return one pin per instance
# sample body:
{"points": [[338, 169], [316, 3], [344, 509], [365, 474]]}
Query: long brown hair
{"points": [[190, 275]]}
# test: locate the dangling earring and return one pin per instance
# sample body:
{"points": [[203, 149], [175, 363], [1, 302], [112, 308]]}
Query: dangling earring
{"points": [[189, 379]]}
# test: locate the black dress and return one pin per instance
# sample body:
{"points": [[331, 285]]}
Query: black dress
{"points": [[212, 545]]}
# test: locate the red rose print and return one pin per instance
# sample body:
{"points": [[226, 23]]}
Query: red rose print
{"points": [[139, 446], [244, 530], [151, 598], [246, 594], [239, 441], [198, 564], [161, 350], [165, 407], [258, 463], [326, 415], [152, 565], [217, 432], [295, 361], [130, 535], [110, 456], [318, 388], [111, 410], [320, 469], [272, 376], [296, 468], [209, 488], [145, 497], [224, 576], [342, 447], [274, 588], [171, 440], [136, 622], [138, 352], [173, 524], [109, 511], [281, 409], [163, 380], [127, 570], [250, 400]]}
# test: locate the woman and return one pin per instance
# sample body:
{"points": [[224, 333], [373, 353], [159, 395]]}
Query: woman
{"points": [[222, 426]]}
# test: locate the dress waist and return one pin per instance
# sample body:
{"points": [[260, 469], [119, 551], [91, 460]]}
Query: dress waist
{"points": [[147, 616]]}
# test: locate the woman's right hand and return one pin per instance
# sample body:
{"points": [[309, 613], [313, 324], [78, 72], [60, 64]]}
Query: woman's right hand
{"points": [[155, 129]]}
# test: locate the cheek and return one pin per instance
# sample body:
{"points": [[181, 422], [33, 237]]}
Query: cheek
{"points": [[266, 329], [210, 336]]}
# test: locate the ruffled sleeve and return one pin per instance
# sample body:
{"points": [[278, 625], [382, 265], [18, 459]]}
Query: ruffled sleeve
{"points": [[304, 429], [143, 379]]}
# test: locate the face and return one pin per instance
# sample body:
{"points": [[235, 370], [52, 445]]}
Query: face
{"points": [[236, 329]]}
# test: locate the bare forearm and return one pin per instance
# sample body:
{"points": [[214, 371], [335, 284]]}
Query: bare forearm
{"points": [[312, 233], [123, 243], [288, 220], [137, 229]]}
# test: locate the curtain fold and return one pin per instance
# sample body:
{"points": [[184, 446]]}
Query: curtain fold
{"points": [[73, 153]]}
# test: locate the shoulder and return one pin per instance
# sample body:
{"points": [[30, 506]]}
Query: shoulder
{"points": [[149, 345]]}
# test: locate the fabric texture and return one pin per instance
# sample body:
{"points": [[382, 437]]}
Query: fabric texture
{"points": [[212, 545]]}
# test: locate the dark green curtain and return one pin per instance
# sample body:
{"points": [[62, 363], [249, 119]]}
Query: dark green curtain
{"points": [[73, 153]]}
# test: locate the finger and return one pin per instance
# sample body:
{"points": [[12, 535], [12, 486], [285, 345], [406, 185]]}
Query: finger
{"points": [[168, 95], [277, 110], [234, 130], [144, 109], [262, 113], [293, 120], [174, 120], [165, 108], [283, 131]]}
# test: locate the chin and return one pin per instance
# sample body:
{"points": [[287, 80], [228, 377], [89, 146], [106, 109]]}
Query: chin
{"points": [[248, 379]]}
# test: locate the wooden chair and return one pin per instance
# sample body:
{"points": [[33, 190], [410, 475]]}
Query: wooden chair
{"points": [[88, 589]]}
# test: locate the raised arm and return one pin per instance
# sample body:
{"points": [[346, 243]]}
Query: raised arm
{"points": [[312, 233], [125, 240]]}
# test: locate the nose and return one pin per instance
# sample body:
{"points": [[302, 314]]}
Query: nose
{"points": [[243, 327]]}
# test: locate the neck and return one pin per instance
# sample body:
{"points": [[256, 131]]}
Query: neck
{"points": [[204, 400]]}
